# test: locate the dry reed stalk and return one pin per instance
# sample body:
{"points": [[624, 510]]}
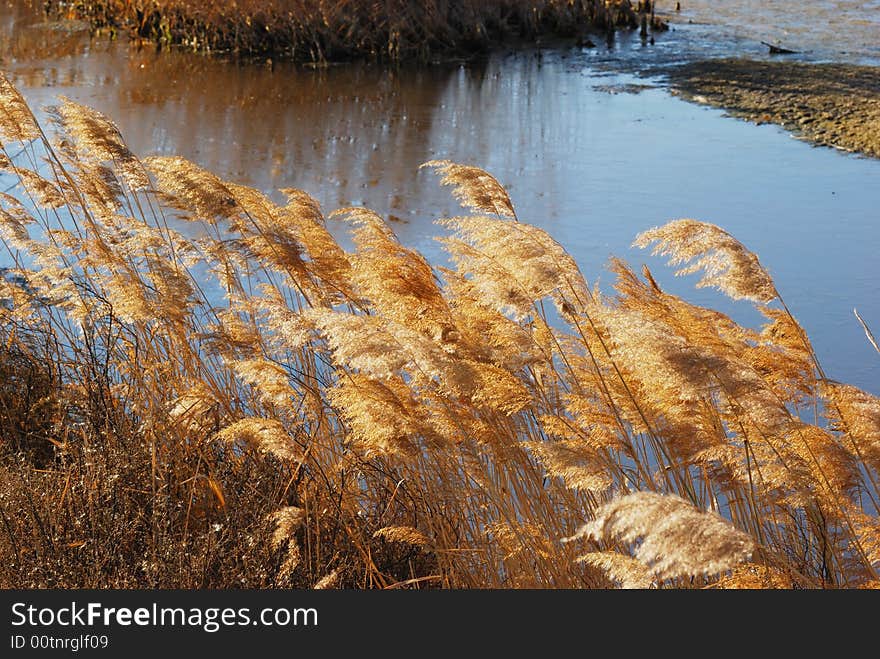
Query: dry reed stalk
{"points": [[365, 419], [868, 332]]}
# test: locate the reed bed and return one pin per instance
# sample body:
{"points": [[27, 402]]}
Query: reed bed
{"points": [[318, 31], [255, 406]]}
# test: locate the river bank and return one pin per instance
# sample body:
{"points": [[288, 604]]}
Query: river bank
{"points": [[834, 104], [317, 32], [829, 104]]}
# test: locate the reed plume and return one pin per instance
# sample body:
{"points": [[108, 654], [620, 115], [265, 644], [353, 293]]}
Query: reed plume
{"points": [[17, 122], [328, 581], [621, 569], [726, 264], [398, 282], [95, 137], [676, 539], [287, 521], [856, 413], [188, 187], [755, 577], [575, 462], [475, 188], [514, 266], [406, 534], [267, 435]]}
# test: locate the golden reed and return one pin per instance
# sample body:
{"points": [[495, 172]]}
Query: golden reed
{"points": [[258, 407]]}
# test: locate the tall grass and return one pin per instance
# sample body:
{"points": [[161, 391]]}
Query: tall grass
{"points": [[258, 407], [317, 31]]}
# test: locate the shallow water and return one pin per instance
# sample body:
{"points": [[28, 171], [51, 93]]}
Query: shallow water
{"points": [[582, 156], [818, 31], [842, 30]]}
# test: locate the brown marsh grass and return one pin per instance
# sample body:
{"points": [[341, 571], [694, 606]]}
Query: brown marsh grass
{"points": [[258, 407], [318, 31]]}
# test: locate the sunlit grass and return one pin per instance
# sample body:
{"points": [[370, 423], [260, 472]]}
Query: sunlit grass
{"points": [[258, 407]]}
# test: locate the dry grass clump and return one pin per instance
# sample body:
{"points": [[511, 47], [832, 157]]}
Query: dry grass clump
{"points": [[258, 407], [316, 31]]}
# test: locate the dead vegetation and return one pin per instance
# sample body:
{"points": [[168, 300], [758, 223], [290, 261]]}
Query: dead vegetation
{"points": [[258, 407], [317, 31]]}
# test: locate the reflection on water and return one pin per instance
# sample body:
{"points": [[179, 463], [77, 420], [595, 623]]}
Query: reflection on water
{"points": [[592, 166], [27, 35]]}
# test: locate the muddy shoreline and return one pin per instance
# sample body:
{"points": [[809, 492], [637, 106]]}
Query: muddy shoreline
{"points": [[836, 105]]}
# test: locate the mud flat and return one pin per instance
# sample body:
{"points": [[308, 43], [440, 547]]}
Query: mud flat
{"points": [[835, 105]]}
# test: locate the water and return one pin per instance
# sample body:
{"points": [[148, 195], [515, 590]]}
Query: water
{"points": [[843, 30], [582, 157], [838, 31]]}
